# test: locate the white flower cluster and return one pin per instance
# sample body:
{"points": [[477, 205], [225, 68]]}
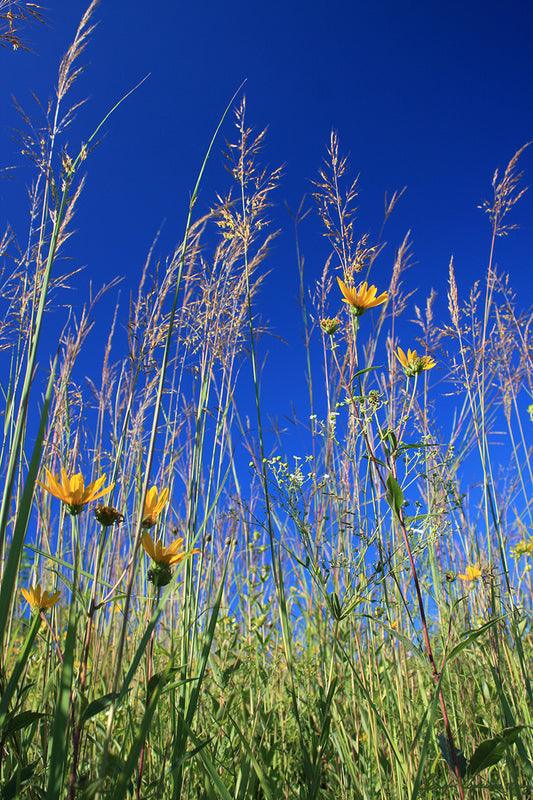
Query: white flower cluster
{"points": [[328, 428], [293, 479]]}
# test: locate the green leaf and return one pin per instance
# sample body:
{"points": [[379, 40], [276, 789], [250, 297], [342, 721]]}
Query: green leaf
{"points": [[335, 605], [415, 446], [11, 568], [124, 779], [362, 372], [470, 636], [18, 671], [394, 495], [11, 788], [98, 705], [57, 759], [446, 751], [388, 435], [20, 721], [493, 750], [415, 518]]}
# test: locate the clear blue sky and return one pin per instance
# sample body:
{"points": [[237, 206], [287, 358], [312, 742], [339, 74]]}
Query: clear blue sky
{"points": [[433, 96]]}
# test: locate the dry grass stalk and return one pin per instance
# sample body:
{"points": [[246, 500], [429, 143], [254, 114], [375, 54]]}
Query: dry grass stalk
{"points": [[10, 29], [505, 195]]}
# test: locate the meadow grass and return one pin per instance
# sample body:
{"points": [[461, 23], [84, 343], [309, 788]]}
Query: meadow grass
{"points": [[347, 621]]}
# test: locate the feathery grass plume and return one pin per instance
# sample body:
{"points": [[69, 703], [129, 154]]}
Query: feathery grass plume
{"points": [[337, 211], [506, 195], [453, 298], [18, 11], [402, 262]]}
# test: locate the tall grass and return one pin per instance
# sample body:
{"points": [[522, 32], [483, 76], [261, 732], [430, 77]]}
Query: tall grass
{"points": [[349, 620]]}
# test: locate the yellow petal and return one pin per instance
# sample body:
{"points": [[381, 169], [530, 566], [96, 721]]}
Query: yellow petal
{"points": [[53, 599], [53, 486], [175, 547], [148, 545], [400, 355], [66, 485], [163, 497], [93, 491], [151, 499]]}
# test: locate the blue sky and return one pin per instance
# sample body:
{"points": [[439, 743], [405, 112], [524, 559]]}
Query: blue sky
{"points": [[432, 96]]}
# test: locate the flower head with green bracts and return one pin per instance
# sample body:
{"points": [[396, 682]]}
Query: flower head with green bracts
{"points": [[163, 558], [153, 506], [412, 363], [40, 601], [329, 325], [72, 491], [363, 298]]}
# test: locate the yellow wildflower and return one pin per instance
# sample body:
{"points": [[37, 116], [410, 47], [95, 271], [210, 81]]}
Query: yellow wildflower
{"points": [[472, 573], [72, 490], [362, 298], [164, 558], [412, 363], [525, 547], [153, 505], [38, 601], [172, 554]]}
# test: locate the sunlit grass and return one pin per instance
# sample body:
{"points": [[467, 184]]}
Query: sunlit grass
{"points": [[348, 620]]}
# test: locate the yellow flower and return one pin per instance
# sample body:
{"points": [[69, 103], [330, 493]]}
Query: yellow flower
{"points": [[472, 573], [172, 554], [362, 298], [163, 558], [412, 363], [525, 547], [153, 505], [38, 601], [72, 491]]}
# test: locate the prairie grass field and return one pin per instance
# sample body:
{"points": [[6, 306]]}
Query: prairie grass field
{"points": [[193, 606]]}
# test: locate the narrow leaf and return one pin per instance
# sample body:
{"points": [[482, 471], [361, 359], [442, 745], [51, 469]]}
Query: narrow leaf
{"points": [[446, 751], [98, 705], [493, 750], [394, 495]]}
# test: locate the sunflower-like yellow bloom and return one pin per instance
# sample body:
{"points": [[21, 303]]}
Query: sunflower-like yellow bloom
{"points": [[362, 298], [412, 363], [164, 558], [170, 555], [153, 506], [525, 547], [38, 601], [72, 490], [472, 573]]}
